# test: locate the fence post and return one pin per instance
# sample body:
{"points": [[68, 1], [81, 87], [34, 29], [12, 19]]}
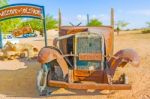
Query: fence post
{"points": [[1, 39], [60, 19], [112, 23], [88, 19]]}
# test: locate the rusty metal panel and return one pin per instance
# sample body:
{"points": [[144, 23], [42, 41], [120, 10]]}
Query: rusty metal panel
{"points": [[121, 58], [74, 31], [89, 75], [107, 31], [21, 31], [90, 56], [49, 54], [88, 72]]}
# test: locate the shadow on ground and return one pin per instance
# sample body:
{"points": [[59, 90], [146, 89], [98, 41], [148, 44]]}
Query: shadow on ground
{"points": [[22, 82]]}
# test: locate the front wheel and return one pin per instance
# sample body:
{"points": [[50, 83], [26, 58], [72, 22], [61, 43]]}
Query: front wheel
{"points": [[42, 81], [49, 71]]}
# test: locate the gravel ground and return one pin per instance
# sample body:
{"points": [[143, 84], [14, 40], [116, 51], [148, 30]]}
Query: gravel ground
{"points": [[18, 77]]}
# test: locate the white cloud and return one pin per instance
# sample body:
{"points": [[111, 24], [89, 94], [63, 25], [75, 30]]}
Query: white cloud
{"points": [[101, 17], [145, 12], [55, 17], [94, 17], [81, 17]]}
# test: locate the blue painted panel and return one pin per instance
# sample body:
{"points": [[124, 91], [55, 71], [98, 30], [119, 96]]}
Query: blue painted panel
{"points": [[47, 65]]}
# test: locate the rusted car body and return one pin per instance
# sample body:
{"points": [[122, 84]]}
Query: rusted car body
{"points": [[22, 31], [82, 58], [12, 51]]}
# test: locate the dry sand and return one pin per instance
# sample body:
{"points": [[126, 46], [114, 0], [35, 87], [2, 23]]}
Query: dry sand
{"points": [[18, 77]]}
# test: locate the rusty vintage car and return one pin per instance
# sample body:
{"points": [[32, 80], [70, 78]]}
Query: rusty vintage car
{"points": [[22, 31], [82, 58]]}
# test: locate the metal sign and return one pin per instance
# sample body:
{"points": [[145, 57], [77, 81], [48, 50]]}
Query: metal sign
{"points": [[21, 10], [24, 10], [16, 11]]}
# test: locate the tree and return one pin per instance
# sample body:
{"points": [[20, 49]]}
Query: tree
{"points": [[51, 23], [148, 24], [94, 22], [10, 24], [121, 25], [37, 24], [3, 2]]}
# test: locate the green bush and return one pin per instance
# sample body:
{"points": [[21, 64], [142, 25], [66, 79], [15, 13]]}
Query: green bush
{"points": [[95, 22]]}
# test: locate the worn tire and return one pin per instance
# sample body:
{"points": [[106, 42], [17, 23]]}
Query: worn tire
{"points": [[41, 81]]}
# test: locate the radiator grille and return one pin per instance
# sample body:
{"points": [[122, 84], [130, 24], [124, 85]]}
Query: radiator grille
{"points": [[88, 44]]}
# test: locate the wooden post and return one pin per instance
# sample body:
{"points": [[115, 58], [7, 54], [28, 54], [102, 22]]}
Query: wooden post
{"points": [[59, 15], [112, 18], [44, 24], [88, 19], [112, 25]]}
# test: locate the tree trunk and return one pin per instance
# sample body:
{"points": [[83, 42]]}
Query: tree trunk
{"points": [[118, 32]]}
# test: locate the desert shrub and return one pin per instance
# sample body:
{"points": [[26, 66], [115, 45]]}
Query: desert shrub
{"points": [[146, 31], [95, 22]]}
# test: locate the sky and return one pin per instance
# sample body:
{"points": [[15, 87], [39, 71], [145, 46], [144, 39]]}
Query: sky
{"points": [[135, 12]]}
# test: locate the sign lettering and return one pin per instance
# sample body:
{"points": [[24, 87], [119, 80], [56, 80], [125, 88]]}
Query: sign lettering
{"points": [[20, 11]]}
